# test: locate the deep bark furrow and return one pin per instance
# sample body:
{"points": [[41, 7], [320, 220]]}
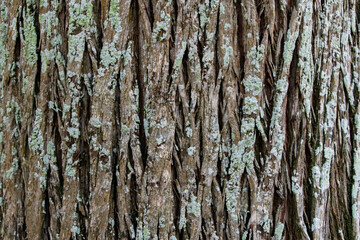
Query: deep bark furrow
{"points": [[173, 119]]}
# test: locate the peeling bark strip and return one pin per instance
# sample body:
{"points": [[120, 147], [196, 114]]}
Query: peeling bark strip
{"points": [[176, 119]]}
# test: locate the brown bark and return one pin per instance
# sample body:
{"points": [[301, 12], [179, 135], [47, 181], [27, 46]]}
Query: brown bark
{"points": [[179, 119]]}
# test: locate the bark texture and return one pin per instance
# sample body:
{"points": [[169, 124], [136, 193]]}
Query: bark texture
{"points": [[179, 119]]}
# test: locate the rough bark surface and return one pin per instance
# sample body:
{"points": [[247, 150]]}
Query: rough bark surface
{"points": [[179, 119]]}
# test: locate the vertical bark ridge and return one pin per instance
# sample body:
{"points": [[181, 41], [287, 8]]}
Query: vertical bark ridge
{"points": [[155, 218], [173, 119], [13, 220], [103, 122]]}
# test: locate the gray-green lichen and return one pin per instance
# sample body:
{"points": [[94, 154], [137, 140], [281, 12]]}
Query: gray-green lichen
{"points": [[316, 224], [73, 132], [36, 138], [80, 14], [109, 56], [29, 35], [355, 191], [95, 122], [189, 132], [279, 231], [242, 152], [295, 186], [114, 17], [3, 33], [183, 219], [191, 151], [228, 51], [70, 169], [76, 47], [49, 22], [14, 167], [194, 207], [162, 26], [204, 18], [306, 60], [178, 59], [289, 47]]}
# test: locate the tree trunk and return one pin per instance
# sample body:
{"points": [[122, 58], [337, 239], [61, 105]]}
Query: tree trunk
{"points": [[179, 119]]}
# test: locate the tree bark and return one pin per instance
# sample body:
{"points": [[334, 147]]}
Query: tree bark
{"points": [[132, 119]]}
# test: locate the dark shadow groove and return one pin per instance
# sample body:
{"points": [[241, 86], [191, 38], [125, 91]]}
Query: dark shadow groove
{"points": [[98, 22], [140, 80], [46, 222], [84, 158], [115, 160], [150, 13]]}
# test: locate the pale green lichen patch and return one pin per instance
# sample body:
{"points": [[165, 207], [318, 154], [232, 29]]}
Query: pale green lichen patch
{"points": [[242, 153], [289, 47], [189, 132], [331, 108], [163, 123], [316, 174], [76, 47], [316, 224], [191, 151], [253, 84], [3, 33], [162, 222], [50, 157], [251, 105], [73, 132], [183, 219], [24, 85], [228, 52], [80, 14], [2, 158], [204, 18], [36, 138], [14, 106], [70, 170], [355, 211], [75, 229], [356, 176], [178, 59], [44, 3], [142, 231], [245, 234], [194, 207], [14, 167], [146, 233], [29, 35], [162, 26], [279, 231], [53, 106], [49, 22], [306, 60], [160, 140], [95, 122], [325, 174], [208, 56], [114, 17], [295, 186], [110, 55], [276, 129], [222, 8], [46, 56]]}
